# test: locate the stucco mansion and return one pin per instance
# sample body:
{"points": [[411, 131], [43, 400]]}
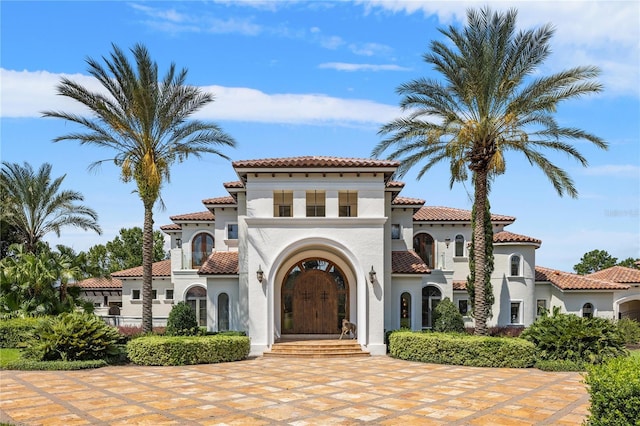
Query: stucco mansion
{"points": [[298, 244]]}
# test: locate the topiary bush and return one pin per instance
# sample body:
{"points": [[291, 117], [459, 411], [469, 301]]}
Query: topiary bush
{"points": [[447, 318], [572, 338], [72, 336], [182, 321], [462, 349], [187, 350], [614, 388], [14, 331]]}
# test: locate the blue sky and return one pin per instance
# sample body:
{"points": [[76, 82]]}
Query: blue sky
{"points": [[319, 78]]}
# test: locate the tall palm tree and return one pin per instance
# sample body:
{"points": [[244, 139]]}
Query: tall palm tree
{"points": [[490, 101], [144, 121], [34, 205]]}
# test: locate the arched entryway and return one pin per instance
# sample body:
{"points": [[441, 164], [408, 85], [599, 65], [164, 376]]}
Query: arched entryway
{"points": [[196, 297], [315, 298], [431, 296], [630, 309]]}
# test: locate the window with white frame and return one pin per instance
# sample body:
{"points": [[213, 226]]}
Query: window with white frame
{"points": [[135, 294], [316, 203], [168, 294], [541, 306], [348, 203], [395, 231], [459, 245], [515, 265], [516, 312], [282, 203], [232, 231], [587, 310], [463, 307], [154, 294]]}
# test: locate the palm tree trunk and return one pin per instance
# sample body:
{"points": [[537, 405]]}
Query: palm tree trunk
{"points": [[147, 265], [480, 260]]}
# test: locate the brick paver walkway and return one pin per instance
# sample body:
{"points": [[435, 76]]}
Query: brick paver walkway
{"points": [[261, 391]]}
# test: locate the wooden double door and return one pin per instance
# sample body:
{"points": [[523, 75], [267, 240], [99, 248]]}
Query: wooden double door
{"points": [[315, 303]]}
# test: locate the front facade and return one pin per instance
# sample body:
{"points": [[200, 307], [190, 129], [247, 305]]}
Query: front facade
{"points": [[299, 244]]}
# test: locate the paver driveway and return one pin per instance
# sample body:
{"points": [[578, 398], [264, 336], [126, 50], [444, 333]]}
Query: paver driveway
{"points": [[260, 391]]}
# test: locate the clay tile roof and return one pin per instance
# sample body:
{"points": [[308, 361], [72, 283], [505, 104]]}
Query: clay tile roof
{"points": [[449, 214], [618, 274], [459, 285], [159, 269], [510, 237], [221, 263], [101, 282], [220, 200], [234, 184], [395, 184], [408, 262], [171, 227], [199, 216], [406, 201], [314, 161], [568, 281]]}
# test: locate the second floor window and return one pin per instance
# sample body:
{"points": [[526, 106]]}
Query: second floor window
{"points": [[315, 204], [348, 203], [232, 231], [423, 245], [515, 265], [459, 245], [282, 203], [201, 248]]}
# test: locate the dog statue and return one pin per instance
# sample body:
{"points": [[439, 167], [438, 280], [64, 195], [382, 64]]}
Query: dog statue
{"points": [[348, 328]]}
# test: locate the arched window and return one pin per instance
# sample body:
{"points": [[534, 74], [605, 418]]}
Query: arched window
{"points": [[459, 245], [423, 245], [223, 312], [587, 310], [515, 265], [431, 296], [405, 310], [197, 299], [201, 248]]}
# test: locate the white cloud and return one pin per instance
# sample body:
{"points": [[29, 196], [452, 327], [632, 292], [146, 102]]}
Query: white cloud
{"points": [[27, 94], [343, 66], [614, 170]]}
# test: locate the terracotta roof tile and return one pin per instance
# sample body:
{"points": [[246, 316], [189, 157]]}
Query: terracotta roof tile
{"points": [[408, 262], [568, 281], [220, 200], [395, 184], [314, 161], [510, 237], [199, 216], [100, 282], [450, 214], [221, 263], [171, 227], [159, 269], [459, 285], [406, 201], [234, 184], [618, 274]]}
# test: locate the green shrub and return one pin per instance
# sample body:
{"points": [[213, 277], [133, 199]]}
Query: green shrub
{"points": [[447, 318], [182, 321], [462, 349], [187, 350], [630, 330], [72, 336], [560, 365], [573, 338], [29, 364], [14, 331], [614, 388]]}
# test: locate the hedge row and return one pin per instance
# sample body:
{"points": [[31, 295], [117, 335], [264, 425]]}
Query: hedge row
{"points": [[31, 365], [14, 331], [461, 349], [186, 350], [614, 388]]}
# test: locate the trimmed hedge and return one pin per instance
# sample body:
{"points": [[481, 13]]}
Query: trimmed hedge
{"points": [[28, 364], [187, 350], [462, 349], [14, 331], [614, 388], [560, 365]]}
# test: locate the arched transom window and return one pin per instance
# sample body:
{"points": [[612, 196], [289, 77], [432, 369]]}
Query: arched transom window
{"points": [[423, 245], [201, 248]]}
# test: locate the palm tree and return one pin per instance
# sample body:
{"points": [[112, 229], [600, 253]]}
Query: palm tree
{"points": [[489, 103], [144, 121], [34, 205]]}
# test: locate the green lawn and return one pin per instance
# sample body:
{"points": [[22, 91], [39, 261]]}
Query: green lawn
{"points": [[635, 353], [8, 355]]}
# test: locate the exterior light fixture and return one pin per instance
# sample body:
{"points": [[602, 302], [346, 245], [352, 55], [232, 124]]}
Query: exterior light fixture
{"points": [[372, 275], [447, 241], [260, 274]]}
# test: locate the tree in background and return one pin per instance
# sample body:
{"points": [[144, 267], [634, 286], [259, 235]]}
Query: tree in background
{"points": [[145, 121], [34, 205], [597, 260], [491, 100]]}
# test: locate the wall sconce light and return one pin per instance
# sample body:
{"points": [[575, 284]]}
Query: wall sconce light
{"points": [[372, 275], [447, 241], [260, 274], [179, 242]]}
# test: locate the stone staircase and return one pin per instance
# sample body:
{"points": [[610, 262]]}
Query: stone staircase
{"points": [[316, 349]]}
